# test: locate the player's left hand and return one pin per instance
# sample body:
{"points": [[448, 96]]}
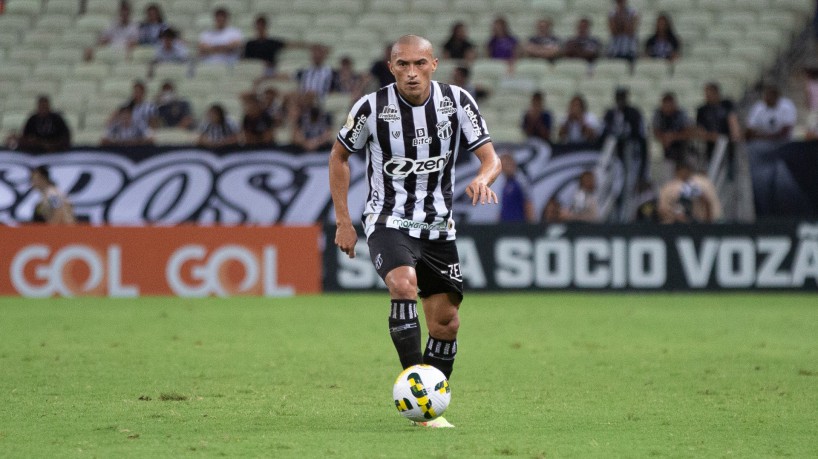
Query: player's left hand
{"points": [[479, 191]]}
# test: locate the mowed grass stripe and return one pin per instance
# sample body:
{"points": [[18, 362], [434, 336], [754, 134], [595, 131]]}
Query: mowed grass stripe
{"points": [[538, 375]]}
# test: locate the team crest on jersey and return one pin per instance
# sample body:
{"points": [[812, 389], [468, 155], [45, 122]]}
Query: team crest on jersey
{"points": [[350, 122], [395, 134], [446, 107], [444, 129], [389, 114]]}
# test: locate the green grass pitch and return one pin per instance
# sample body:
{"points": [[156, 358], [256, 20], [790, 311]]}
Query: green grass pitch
{"points": [[537, 375]]}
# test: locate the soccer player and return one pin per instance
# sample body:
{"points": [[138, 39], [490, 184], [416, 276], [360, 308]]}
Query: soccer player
{"points": [[412, 131]]}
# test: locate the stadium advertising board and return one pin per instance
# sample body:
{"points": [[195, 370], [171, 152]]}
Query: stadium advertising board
{"points": [[46, 261], [772, 256], [168, 186]]}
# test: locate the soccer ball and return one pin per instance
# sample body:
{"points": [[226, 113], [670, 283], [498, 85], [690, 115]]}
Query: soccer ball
{"points": [[421, 393]]}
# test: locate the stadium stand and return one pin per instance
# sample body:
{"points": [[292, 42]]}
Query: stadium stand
{"points": [[42, 42]]}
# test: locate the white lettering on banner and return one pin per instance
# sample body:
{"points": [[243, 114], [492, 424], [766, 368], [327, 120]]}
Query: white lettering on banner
{"points": [[207, 273], [587, 262], [259, 186], [50, 274], [471, 268], [741, 262]]}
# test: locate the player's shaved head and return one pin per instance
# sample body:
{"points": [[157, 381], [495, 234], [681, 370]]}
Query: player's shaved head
{"points": [[417, 41]]}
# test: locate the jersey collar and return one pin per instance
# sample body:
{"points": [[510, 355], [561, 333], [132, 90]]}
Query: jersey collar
{"points": [[408, 104]]}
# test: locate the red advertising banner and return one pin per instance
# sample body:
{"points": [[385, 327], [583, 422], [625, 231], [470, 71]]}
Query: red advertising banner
{"points": [[45, 261]]}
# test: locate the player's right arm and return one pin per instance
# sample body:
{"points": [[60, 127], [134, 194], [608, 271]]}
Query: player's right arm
{"points": [[345, 234]]}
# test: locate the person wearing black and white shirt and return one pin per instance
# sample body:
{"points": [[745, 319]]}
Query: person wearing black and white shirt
{"points": [[412, 131]]}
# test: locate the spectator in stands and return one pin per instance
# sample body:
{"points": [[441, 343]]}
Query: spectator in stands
{"points": [[379, 72], [584, 206], [45, 131], [663, 44], [544, 44], [672, 128], [716, 117], [583, 45], [318, 77], [257, 124], [217, 130], [266, 48], [143, 110], [171, 110], [771, 118], [123, 130], [273, 105], [689, 197], [54, 207], [515, 203], [552, 212], [461, 76], [459, 46], [170, 48], [769, 125], [623, 22], [123, 33], [152, 26], [578, 125], [347, 80], [223, 43], [313, 131], [502, 44], [537, 121], [624, 122]]}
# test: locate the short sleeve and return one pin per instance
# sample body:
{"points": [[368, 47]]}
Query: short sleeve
{"points": [[355, 132], [472, 125]]}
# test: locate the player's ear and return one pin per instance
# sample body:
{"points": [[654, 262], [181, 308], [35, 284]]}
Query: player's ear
{"points": [[434, 64]]}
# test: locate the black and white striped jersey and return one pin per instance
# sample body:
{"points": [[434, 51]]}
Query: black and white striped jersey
{"points": [[411, 152]]}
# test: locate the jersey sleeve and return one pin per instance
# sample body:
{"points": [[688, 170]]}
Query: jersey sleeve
{"points": [[472, 125], [355, 132]]}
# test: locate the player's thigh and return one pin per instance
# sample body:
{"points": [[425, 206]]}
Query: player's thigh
{"points": [[390, 248]]}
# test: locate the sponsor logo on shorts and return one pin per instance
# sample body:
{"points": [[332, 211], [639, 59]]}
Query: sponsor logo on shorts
{"points": [[454, 272]]}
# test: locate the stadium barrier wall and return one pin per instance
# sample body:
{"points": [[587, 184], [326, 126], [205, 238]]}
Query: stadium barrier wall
{"points": [[168, 186], [193, 261], [776, 256]]}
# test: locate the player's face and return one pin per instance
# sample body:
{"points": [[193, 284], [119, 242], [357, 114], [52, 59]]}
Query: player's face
{"points": [[413, 64]]}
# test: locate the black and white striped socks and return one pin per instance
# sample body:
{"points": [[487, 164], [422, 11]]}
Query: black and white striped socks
{"points": [[404, 328], [440, 354]]}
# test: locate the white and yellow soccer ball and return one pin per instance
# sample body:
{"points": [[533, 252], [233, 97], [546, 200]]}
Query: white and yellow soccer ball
{"points": [[421, 393]]}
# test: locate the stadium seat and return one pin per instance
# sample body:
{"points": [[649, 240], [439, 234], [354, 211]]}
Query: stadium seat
{"points": [[611, 68], [532, 68], [387, 6], [734, 68], [235, 7], [800, 7], [430, 6], [752, 5], [80, 87], [757, 54], [13, 122], [30, 8], [106, 7], [185, 8], [14, 23], [717, 5], [130, 71], [248, 69], [87, 136], [78, 38], [558, 85], [67, 7], [143, 54], [174, 136], [550, 7], [55, 23], [29, 56], [92, 70], [102, 105], [506, 133], [33, 87], [19, 104], [599, 87], [655, 69], [173, 72], [116, 88], [575, 68], [97, 119], [492, 69], [93, 22], [780, 20], [51, 70], [14, 72]]}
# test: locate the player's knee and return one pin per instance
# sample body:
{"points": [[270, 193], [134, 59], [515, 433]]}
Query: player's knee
{"points": [[445, 327], [403, 287]]}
